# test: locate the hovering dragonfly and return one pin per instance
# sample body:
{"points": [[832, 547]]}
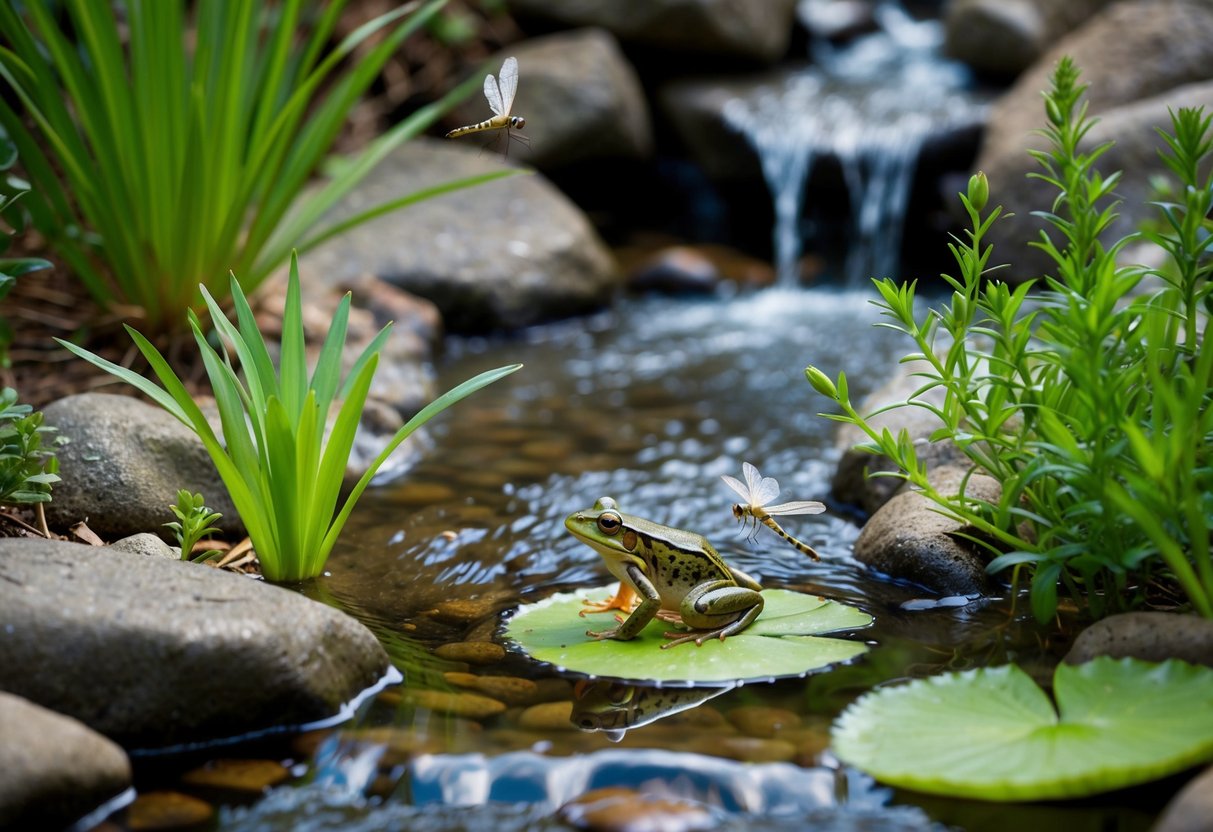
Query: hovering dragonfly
{"points": [[501, 99], [757, 491]]}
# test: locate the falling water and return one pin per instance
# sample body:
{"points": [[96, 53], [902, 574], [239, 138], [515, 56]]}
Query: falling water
{"points": [[871, 105]]}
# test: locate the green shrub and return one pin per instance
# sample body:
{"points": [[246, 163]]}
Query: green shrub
{"points": [[282, 472], [11, 189], [1089, 401], [160, 165], [27, 468]]}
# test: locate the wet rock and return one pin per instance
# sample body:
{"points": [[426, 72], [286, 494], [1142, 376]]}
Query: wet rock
{"points": [[416, 494], [745, 749], [696, 108], [148, 545], [1005, 37], [466, 611], [675, 270], [469, 705], [249, 776], [155, 653], [763, 722], [752, 29], [907, 539], [1149, 636], [162, 811], [581, 99], [1191, 809], [618, 809], [1108, 42], [472, 652], [124, 464], [547, 716], [503, 255], [56, 770], [853, 481], [512, 690]]}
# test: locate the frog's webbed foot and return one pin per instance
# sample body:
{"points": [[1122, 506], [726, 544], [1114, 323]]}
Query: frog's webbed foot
{"points": [[670, 617], [624, 599], [603, 635], [697, 636]]}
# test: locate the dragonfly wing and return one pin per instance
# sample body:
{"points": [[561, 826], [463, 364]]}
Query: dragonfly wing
{"points": [[799, 507], [509, 85], [493, 94], [736, 485]]}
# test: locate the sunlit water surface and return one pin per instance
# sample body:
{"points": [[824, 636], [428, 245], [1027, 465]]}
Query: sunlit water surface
{"points": [[649, 404]]}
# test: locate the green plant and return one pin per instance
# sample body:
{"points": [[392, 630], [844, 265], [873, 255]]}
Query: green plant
{"points": [[168, 161], [11, 189], [1089, 406], [27, 468], [283, 475], [194, 522]]}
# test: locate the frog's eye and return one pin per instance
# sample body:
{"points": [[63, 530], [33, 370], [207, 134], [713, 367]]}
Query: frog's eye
{"points": [[609, 522]]}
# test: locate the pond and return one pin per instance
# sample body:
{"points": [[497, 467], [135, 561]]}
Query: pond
{"points": [[649, 403]]}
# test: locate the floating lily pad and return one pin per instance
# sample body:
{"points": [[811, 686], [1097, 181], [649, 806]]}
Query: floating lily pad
{"points": [[784, 641], [993, 734]]}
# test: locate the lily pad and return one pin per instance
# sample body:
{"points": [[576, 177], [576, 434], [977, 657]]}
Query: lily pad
{"points": [[784, 641], [993, 733]]}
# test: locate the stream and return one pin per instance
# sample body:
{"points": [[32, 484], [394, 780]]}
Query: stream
{"points": [[649, 403]]}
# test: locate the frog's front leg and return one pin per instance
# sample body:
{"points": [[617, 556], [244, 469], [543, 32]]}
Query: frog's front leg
{"points": [[716, 609], [624, 599], [641, 616]]}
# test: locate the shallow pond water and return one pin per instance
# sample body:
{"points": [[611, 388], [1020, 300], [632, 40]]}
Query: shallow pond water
{"points": [[649, 403]]}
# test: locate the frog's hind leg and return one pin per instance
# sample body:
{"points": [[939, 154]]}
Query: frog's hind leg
{"points": [[700, 636]]}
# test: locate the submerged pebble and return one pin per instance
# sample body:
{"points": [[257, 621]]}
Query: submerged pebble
{"points": [[762, 722], [470, 705], [165, 810], [237, 775], [619, 809], [472, 652], [547, 716], [512, 690]]}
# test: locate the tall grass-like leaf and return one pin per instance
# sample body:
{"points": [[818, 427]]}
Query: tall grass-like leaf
{"points": [[283, 476], [162, 163]]}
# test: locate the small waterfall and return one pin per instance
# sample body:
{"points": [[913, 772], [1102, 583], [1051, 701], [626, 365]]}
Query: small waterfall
{"points": [[871, 105]]}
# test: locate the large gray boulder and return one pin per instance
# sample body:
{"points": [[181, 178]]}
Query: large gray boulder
{"points": [[751, 29], [123, 464], [1148, 51], [1005, 37], [155, 653], [580, 97], [55, 770]]}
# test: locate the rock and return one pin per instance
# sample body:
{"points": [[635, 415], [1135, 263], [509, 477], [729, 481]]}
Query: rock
{"points": [[907, 539], [472, 652], [695, 108], [1004, 37], [580, 97], [237, 775], [512, 690], [1190, 810], [148, 545], [763, 722], [619, 809], [56, 770], [469, 705], [547, 716], [756, 30], [162, 811], [1149, 636], [154, 653], [503, 255], [853, 481], [1110, 41], [124, 464], [675, 270]]}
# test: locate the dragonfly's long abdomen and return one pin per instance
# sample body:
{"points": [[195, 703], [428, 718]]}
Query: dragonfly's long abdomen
{"points": [[494, 123], [769, 522]]}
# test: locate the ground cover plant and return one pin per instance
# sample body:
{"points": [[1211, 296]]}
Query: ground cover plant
{"points": [[194, 522], [28, 468], [11, 190], [282, 463], [168, 147], [1088, 400]]}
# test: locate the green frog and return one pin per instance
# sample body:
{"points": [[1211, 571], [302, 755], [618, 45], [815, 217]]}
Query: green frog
{"points": [[677, 576]]}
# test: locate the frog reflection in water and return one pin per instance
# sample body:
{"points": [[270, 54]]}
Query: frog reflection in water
{"points": [[676, 575]]}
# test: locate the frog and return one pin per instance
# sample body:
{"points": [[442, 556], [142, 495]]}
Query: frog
{"points": [[675, 576]]}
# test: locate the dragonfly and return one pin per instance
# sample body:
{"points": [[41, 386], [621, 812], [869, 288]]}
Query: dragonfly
{"points": [[756, 492], [501, 99]]}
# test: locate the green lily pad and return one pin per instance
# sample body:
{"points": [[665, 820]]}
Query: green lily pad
{"points": [[993, 734], [783, 641]]}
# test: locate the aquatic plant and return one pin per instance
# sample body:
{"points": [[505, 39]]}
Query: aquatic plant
{"points": [[166, 154], [194, 522], [28, 468], [1089, 401], [785, 640], [12, 189], [993, 734], [282, 472]]}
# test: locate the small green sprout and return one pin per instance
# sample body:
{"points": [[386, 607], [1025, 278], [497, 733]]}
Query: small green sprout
{"points": [[194, 522]]}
